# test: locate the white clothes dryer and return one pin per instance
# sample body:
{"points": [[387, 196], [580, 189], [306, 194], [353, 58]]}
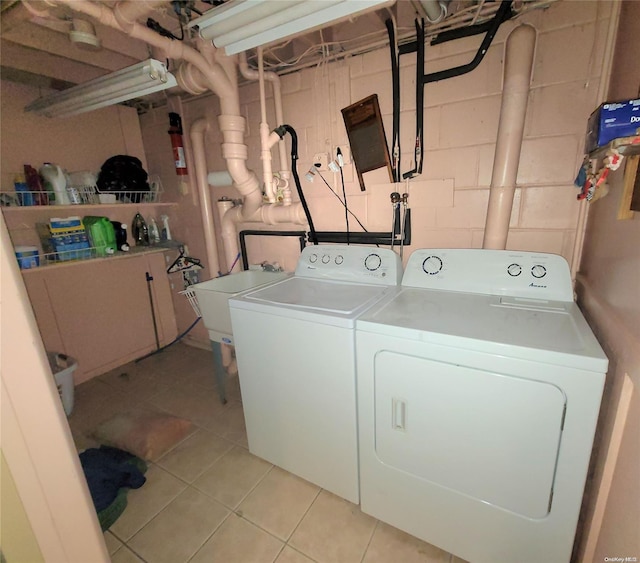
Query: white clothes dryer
{"points": [[296, 361], [479, 386]]}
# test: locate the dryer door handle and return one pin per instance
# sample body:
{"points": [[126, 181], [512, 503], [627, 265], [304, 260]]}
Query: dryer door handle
{"points": [[398, 414]]}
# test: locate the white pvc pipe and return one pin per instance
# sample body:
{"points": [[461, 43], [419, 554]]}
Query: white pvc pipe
{"points": [[272, 77], [126, 13], [197, 132], [434, 10], [223, 205], [518, 63], [269, 214], [265, 152]]}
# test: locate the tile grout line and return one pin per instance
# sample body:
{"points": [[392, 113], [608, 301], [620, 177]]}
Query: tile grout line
{"points": [[364, 554], [300, 522], [230, 512]]}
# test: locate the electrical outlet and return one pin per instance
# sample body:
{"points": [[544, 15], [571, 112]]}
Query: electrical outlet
{"points": [[321, 158], [346, 153]]}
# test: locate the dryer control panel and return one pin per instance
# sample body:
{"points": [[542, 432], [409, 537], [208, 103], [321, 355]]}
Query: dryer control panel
{"points": [[528, 275], [359, 264]]}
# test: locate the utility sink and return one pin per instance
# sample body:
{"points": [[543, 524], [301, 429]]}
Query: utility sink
{"points": [[213, 299]]}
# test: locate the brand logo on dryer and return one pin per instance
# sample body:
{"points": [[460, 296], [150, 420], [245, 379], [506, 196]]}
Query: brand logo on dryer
{"points": [[537, 285]]}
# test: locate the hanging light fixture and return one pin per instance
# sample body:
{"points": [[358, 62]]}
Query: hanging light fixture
{"points": [[239, 25], [132, 82]]}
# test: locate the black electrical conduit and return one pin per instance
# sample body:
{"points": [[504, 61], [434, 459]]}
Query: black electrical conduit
{"points": [[333, 236], [379, 238], [491, 27], [281, 130], [502, 15], [302, 236], [418, 152], [477, 29], [395, 78], [176, 339]]}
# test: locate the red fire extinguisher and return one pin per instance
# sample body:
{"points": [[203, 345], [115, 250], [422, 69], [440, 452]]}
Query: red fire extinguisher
{"points": [[175, 132]]}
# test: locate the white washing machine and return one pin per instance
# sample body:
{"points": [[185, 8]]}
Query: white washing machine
{"points": [[479, 385], [296, 361]]}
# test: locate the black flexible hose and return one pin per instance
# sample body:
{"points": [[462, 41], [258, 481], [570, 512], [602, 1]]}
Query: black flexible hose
{"points": [[294, 170], [346, 209], [176, 339]]}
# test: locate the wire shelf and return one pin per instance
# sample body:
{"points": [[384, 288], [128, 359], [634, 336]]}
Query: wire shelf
{"points": [[83, 194], [190, 294], [69, 255]]}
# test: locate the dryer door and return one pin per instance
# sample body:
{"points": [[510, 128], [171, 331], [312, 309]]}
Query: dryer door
{"points": [[488, 436]]}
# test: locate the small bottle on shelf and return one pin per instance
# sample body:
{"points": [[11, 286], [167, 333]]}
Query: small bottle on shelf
{"points": [[154, 232], [25, 197]]}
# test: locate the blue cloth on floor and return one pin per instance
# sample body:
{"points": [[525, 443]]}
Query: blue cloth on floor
{"points": [[107, 470]]}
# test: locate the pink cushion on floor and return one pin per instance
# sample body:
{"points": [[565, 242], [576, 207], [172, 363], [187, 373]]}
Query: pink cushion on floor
{"points": [[146, 435]]}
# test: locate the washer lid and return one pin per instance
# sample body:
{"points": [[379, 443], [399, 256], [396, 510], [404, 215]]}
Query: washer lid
{"points": [[300, 297], [490, 323]]}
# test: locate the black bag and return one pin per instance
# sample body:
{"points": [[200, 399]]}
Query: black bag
{"points": [[124, 176]]}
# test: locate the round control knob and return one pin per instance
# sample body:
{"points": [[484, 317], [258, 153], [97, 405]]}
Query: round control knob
{"points": [[339, 259], [538, 271], [313, 258], [514, 270], [326, 259], [432, 265], [372, 262]]}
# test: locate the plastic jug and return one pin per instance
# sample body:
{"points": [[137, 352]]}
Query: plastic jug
{"points": [[56, 182], [101, 234]]}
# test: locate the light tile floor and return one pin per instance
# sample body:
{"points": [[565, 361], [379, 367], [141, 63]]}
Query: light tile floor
{"points": [[208, 500]]}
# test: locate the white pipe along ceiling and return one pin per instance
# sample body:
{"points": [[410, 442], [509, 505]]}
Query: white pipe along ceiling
{"points": [[518, 63], [205, 68]]}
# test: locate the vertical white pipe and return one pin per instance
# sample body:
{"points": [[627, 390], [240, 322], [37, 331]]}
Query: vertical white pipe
{"points": [[272, 77], [518, 63], [263, 95], [196, 133], [265, 151]]}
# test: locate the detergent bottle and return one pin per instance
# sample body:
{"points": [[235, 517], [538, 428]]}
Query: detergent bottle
{"points": [[56, 182]]}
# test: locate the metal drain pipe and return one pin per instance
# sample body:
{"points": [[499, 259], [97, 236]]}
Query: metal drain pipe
{"points": [[518, 63]]}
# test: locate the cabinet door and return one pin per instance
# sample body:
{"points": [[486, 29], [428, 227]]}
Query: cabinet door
{"points": [[162, 298], [103, 312], [41, 304]]}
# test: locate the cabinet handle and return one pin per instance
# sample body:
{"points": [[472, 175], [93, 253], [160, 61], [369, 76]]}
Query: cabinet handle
{"points": [[149, 279]]}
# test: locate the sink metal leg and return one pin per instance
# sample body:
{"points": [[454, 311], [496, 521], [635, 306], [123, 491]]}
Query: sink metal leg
{"points": [[220, 371]]}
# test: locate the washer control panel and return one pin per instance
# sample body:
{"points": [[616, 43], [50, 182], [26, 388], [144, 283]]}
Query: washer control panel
{"points": [[361, 264], [492, 272]]}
